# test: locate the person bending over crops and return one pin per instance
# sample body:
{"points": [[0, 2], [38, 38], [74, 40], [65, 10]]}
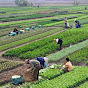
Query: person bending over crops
{"points": [[68, 66], [77, 24], [15, 30], [43, 62], [34, 67], [59, 41]]}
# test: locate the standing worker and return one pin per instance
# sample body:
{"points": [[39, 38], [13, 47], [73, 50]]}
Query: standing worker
{"points": [[59, 41], [66, 23], [34, 67], [43, 62], [77, 23], [68, 66]]}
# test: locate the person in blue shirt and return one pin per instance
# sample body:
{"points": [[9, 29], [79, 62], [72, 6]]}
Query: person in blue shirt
{"points": [[77, 24], [42, 62]]}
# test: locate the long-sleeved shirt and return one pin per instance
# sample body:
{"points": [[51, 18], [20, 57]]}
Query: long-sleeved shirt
{"points": [[33, 63], [41, 60]]}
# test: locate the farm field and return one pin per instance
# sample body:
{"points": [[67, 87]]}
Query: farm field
{"points": [[45, 24]]}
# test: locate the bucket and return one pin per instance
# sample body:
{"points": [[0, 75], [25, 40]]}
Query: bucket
{"points": [[27, 29], [33, 27], [21, 32], [16, 79], [39, 26]]}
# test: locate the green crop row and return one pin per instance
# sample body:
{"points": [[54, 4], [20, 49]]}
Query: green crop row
{"points": [[47, 45], [79, 56], [13, 44], [67, 80], [68, 38], [71, 49], [32, 16], [51, 73], [18, 24], [23, 36], [8, 65], [84, 85], [52, 24]]}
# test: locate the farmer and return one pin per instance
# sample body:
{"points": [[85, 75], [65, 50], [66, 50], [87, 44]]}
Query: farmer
{"points": [[34, 66], [15, 30], [77, 23], [59, 41], [66, 23], [43, 62], [68, 66]]}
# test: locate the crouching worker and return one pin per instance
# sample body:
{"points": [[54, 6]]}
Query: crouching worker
{"points": [[68, 66], [33, 67], [77, 24], [59, 41], [43, 62]]}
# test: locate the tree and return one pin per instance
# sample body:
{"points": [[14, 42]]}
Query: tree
{"points": [[75, 2], [21, 2]]}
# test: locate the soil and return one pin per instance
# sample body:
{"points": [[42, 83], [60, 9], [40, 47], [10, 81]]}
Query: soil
{"points": [[6, 76]]}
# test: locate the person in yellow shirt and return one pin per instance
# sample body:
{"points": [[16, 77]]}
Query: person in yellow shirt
{"points": [[68, 66]]}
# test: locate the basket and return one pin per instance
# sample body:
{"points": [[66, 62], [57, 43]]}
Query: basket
{"points": [[27, 29], [21, 32], [16, 79], [39, 26], [33, 27]]}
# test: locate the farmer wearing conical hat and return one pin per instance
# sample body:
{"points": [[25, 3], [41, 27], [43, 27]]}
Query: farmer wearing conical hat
{"points": [[59, 41]]}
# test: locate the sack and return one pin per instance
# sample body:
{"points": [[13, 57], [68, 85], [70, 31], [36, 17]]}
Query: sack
{"points": [[68, 24]]}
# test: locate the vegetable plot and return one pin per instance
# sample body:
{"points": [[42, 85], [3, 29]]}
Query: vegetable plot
{"points": [[84, 85], [47, 45], [51, 73], [8, 65], [67, 80]]}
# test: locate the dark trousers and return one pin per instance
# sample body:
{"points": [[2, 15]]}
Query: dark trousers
{"points": [[65, 25], [36, 72], [61, 45]]}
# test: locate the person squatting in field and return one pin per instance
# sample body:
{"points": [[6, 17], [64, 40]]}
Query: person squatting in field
{"points": [[68, 66], [59, 41], [77, 23]]}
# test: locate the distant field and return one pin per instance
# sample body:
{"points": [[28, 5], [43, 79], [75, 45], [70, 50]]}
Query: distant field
{"points": [[12, 4], [5, 4]]}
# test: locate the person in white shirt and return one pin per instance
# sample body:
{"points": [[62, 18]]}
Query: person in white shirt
{"points": [[59, 41]]}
